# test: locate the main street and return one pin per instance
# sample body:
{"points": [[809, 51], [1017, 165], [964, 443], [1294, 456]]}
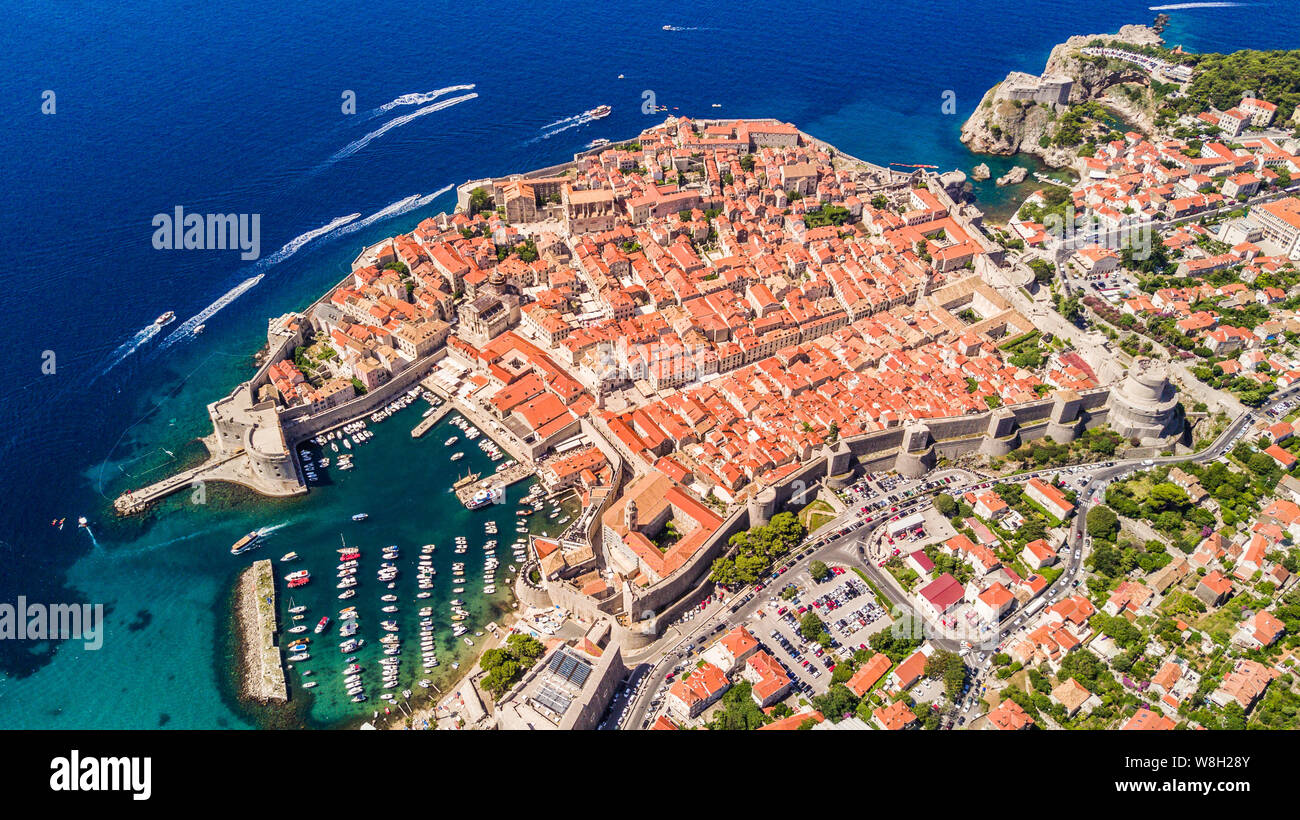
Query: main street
{"points": [[844, 544]]}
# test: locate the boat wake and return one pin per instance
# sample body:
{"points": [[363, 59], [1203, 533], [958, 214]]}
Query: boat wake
{"points": [[187, 327], [560, 126], [1180, 6], [292, 246], [265, 531], [289, 249], [355, 146], [130, 346], [397, 208], [687, 28], [417, 99]]}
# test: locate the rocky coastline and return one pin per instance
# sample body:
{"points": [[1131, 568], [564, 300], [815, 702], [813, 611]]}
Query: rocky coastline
{"points": [[1004, 126]]}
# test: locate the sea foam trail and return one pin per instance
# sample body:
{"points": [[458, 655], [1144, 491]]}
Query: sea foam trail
{"points": [[417, 99], [397, 208], [569, 122], [187, 327], [1179, 6], [293, 245], [130, 346], [355, 146], [289, 249]]}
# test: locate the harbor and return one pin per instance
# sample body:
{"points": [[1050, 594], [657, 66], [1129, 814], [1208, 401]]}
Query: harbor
{"points": [[403, 601]]}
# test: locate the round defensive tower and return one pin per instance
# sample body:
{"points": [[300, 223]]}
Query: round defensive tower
{"points": [[1144, 405]]}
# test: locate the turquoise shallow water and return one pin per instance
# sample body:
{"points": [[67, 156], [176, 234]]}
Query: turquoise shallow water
{"points": [[164, 105]]}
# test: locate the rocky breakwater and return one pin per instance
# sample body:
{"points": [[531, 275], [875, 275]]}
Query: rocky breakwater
{"points": [[261, 667], [1021, 113]]}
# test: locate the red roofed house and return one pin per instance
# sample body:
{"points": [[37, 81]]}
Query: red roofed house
{"points": [[691, 695], [895, 716], [1049, 497], [942, 595], [1148, 719], [868, 674], [1038, 554], [769, 681], [1008, 716]]}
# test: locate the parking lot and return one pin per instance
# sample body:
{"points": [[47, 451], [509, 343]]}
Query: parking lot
{"points": [[843, 602]]}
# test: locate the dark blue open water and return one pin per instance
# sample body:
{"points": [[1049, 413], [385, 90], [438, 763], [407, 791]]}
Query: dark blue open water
{"points": [[235, 107]]}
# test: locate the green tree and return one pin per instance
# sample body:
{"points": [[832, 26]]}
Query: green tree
{"points": [[1102, 524]]}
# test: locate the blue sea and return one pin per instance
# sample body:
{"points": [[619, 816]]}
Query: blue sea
{"points": [[238, 108]]}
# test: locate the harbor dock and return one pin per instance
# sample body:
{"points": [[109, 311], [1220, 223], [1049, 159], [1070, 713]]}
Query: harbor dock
{"points": [[511, 475], [428, 422], [264, 679]]}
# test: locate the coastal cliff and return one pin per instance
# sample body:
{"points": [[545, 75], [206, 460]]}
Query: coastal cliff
{"points": [[1008, 121]]}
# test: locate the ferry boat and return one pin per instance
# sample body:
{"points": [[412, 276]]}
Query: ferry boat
{"points": [[599, 112], [244, 544], [165, 318], [483, 498], [600, 142], [360, 517], [322, 623]]}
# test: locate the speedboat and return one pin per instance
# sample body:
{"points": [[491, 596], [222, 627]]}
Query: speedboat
{"points": [[301, 656], [165, 318], [388, 598], [289, 556], [309, 684], [348, 593], [298, 628], [360, 517], [322, 623]]}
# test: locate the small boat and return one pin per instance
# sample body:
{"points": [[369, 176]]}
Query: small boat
{"points": [[296, 609], [199, 329], [301, 656], [457, 456], [289, 556], [347, 594], [360, 517], [322, 623], [297, 629], [388, 598], [309, 684], [469, 642], [599, 112], [165, 318]]}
